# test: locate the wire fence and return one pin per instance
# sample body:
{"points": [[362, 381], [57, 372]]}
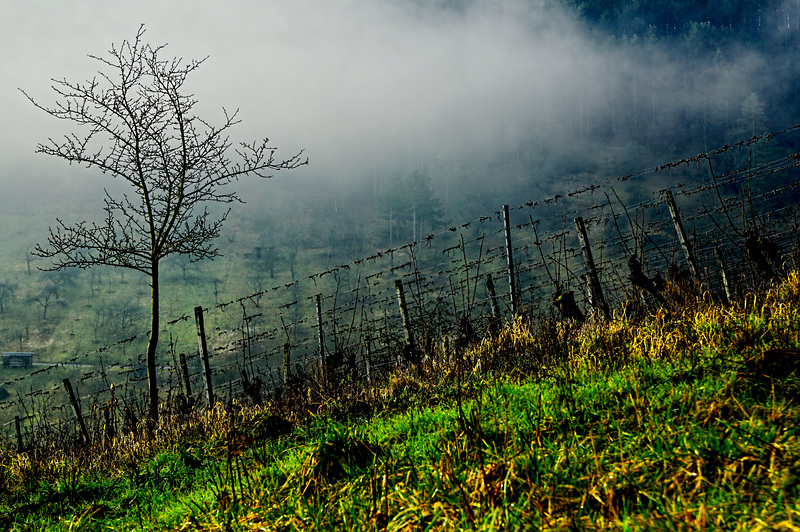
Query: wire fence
{"points": [[733, 211]]}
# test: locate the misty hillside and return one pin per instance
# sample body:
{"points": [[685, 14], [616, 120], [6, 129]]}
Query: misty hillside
{"points": [[643, 83], [435, 113], [671, 402]]}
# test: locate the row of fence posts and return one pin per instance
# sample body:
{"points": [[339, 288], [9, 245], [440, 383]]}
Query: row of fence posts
{"points": [[596, 301], [76, 408]]}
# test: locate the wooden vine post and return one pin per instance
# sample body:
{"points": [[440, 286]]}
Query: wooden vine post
{"points": [[368, 357], [77, 409], [321, 338], [492, 296], [724, 272], [203, 347], [408, 348], [287, 370], [676, 221], [187, 384], [18, 430], [510, 255], [596, 298]]}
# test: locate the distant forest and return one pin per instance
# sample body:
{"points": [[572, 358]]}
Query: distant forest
{"points": [[750, 20], [720, 31], [692, 76]]}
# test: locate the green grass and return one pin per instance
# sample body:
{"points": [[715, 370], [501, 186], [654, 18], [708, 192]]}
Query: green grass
{"points": [[673, 422]]}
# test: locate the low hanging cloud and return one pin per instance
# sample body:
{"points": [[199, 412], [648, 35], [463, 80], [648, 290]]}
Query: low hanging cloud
{"points": [[360, 83], [360, 80]]}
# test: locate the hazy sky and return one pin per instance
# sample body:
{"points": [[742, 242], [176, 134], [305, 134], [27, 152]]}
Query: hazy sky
{"points": [[354, 82], [345, 79]]}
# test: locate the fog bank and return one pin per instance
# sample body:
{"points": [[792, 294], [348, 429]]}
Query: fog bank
{"points": [[365, 84]]}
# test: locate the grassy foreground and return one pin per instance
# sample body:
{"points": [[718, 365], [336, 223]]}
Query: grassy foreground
{"points": [[678, 421]]}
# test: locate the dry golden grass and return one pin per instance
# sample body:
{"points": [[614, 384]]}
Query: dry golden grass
{"points": [[679, 420]]}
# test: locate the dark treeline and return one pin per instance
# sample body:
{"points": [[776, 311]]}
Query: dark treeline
{"points": [[681, 78], [750, 20], [716, 37], [759, 40]]}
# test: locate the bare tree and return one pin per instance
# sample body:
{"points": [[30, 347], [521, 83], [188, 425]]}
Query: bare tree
{"points": [[7, 290], [138, 126], [116, 319], [44, 297]]}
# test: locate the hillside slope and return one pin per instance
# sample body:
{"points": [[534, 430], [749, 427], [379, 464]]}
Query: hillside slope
{"points": [[687, 419]]}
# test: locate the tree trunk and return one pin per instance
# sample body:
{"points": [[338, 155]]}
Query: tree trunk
{"points": [[152, 382]]}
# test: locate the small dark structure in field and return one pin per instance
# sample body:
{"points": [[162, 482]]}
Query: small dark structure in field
{"points": [[17, 360]]}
